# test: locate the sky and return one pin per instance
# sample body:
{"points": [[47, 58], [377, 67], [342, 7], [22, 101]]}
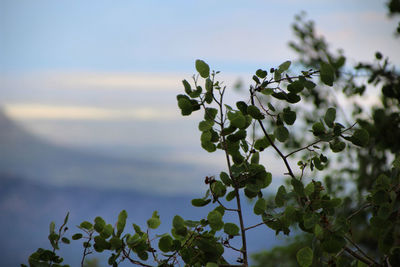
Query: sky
{"points": [[104, 74]]}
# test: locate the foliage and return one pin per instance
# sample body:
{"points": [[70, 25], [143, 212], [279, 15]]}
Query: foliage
{"points": [[344, 225]]}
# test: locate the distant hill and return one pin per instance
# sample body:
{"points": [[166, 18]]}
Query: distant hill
{"points": [[27, 208], [28, 156], [41, 182]]}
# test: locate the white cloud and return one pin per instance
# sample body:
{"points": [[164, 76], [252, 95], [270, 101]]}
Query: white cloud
{"points": [[39, 111], [94, 81]]}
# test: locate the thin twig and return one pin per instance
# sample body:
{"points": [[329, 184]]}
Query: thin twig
{"points": [[126, 255], [151, 248], [357, 256], [219, 202], [367, 205], [85, 252], [360, 250], [254, 226], [239, 209]]}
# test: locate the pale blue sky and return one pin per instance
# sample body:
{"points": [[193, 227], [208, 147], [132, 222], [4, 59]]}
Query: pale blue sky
{"points": [[165, 36]]}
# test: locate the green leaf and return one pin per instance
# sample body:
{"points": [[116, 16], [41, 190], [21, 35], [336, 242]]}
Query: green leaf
{"points": [[165, 243], [107, 231], [218, 188], [284, 66], [396, 162], [133, 240], [188, 88], [277, 75], [210, 114], [327, 73], [86, 225], [178, 222], [186, 106], [337, 146], [242, 106], [208, 146], [231, 229], [261, 73], [318, 231], [66, 218], [101, 243], [280, 196], [260, 206], [297, 186], [309, 84], [225, 178], [65, 240], [52, 227], [255, 158], [281, 133], [360, 137], [237, 119], [330, 117], [255, 78], [154, 221], [99, 224], [333, 243], [254, 112], [384, 211], [289, 116], [309, 189], [293, 98], [318, 128], [205, 125], [77, 236], [143, 255], [206, 137], [267, 91], [209, 85], [295, 87], [121, 222], [305, 257], [215, 220], [231, 195], [199, 202], [202, 68], [310, 219]]}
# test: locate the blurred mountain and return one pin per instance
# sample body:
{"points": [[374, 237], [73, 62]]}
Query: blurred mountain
{"points": [[41, 182], [28, 156]]}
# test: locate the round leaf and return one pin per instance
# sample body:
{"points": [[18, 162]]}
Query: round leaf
{"points": [[165, 243], [260, 206], [281, 133], [305, 257], [202, 68], [327, 73], [231, 229]]}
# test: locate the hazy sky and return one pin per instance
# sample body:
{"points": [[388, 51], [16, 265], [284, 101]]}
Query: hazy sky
{"points": [[86, 73]]}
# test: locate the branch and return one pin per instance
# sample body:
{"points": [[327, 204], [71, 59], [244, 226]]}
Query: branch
{"points": [[126, 255], [289, 78], [367, 205], [220, 203], [357, 256], [152, 250], [360, 250], [239, 208], [85, 252], [316, 142], [254, 226], [271, 142], [184, 245]]}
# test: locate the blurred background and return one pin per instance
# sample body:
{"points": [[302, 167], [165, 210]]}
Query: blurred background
{"points": [[88, 117]]}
